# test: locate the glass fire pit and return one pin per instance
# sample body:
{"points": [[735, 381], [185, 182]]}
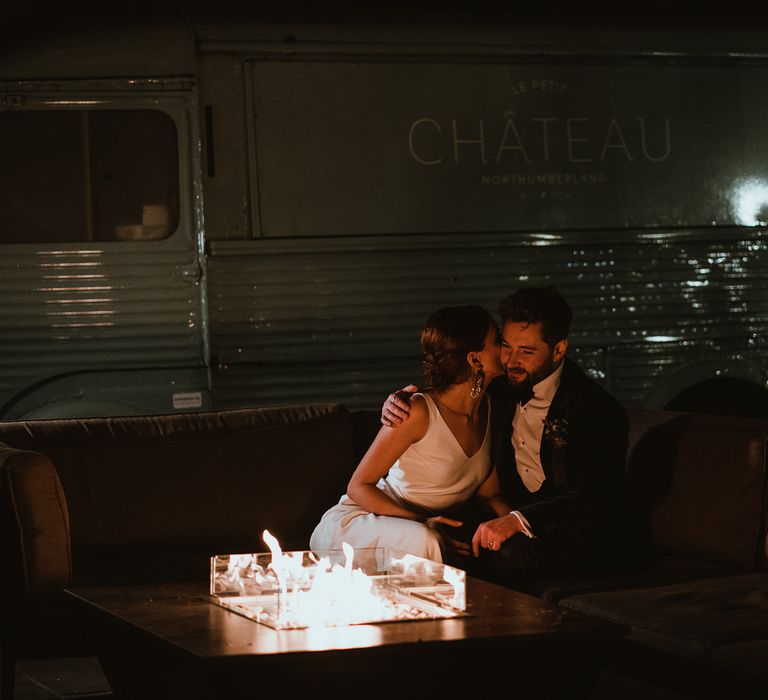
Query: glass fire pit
{"points": [[295, 590]]}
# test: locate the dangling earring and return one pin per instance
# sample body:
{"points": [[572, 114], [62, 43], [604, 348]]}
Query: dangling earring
{"points": [[478, 377]]}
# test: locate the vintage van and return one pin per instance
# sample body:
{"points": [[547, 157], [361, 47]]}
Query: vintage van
{"points": [[213, 211]]}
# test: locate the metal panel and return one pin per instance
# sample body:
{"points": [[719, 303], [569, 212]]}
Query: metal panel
{"points": [[106, 306], [71, 43], [419, 145], [340, 318], [114, 327]]}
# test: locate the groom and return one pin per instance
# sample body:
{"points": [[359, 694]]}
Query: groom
{"points": [[559, 444]]}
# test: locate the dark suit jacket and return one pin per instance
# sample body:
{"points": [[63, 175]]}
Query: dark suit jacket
{"points": [[584, 484]]}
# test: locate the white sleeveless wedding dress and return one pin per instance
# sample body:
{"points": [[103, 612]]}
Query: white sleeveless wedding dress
{"points": [[433, 475]]}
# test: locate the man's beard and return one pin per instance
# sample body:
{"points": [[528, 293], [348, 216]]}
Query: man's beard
{"points": [[528, 380]]}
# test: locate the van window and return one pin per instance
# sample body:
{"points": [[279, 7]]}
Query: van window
{"points": [[87, 175]]}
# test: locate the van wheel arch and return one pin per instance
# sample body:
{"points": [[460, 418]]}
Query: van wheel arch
{"points": [[735, 389]]}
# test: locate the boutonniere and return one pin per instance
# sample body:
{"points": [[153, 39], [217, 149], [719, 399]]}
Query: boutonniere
{"points": [[556, 431]]}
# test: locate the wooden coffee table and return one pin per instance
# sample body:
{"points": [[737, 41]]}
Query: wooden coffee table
{"points": [[171, 641]]}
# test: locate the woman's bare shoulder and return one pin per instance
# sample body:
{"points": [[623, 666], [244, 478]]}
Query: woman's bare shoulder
{"points": [[417, 421], [419, 406]]}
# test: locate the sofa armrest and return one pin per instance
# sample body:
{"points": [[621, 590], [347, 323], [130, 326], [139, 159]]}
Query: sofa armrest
{"points": [[34, 518], [702, 481]]}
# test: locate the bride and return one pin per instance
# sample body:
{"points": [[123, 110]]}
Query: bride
{"points": [[412, 478]]}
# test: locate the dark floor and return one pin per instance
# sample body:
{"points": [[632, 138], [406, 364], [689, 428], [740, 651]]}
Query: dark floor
{"points": [[82, 678], [70, 679]]}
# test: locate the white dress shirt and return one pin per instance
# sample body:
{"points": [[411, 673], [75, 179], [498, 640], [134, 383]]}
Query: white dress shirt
{"points": [[527, 431]]}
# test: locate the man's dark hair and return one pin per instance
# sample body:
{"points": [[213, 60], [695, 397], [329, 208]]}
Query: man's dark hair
{"points": [[543, 305]]}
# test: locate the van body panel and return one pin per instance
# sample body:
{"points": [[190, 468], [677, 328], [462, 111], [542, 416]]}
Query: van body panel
{"points": [[339, 182]]}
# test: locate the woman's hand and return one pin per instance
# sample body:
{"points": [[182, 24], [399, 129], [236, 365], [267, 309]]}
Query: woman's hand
{"points": [[443, 525]]}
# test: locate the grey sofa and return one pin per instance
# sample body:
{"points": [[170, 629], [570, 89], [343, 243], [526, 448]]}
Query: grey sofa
{"points": [[697, 603], [116, 500], [150, 499]]}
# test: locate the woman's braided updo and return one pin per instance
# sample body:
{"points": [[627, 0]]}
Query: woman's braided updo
{"points": [[448, 335]]}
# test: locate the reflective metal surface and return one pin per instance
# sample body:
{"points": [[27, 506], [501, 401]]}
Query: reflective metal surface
{"points": [[340, 183]]}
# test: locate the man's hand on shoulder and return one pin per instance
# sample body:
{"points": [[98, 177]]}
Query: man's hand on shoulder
{"points": [[397, 407]]}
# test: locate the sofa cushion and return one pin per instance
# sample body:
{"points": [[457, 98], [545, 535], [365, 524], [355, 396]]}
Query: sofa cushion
{"points": [[366, 424], [688, 618], [145, 568], [195, 481], [702, 482], [665, 570]]}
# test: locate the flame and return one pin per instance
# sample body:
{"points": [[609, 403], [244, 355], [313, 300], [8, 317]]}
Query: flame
{"points": [[334, 595], [273, 544], [303, 590], [349, 555], [456, 582]]}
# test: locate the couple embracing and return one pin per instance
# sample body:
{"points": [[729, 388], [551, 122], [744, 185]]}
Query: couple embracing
{"points": [[510, 463]]}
